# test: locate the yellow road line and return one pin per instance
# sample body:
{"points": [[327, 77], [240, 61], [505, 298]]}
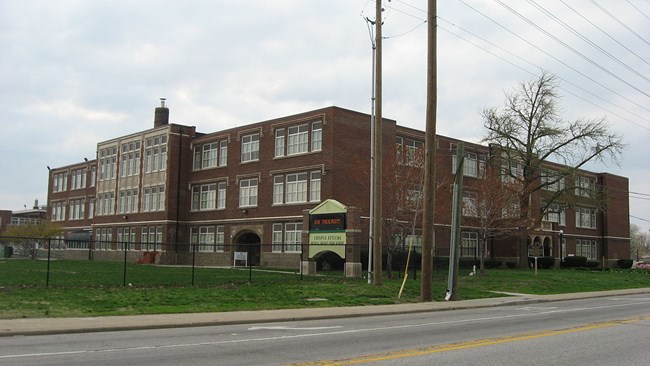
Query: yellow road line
{"points": [[469, 344]]}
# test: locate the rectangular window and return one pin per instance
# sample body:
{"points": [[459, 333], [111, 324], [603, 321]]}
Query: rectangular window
{"points": [[250, 148], [314, 187], [130, 157], [293, 237], [58, 211], [77, 209], [221, 195], [551, 180], [586, 248], [106, 203], [317, 136], [128, 202], [223, 153], [585, 217], [296, 186], [207, 238], [248, 192], [155, 154], [278, 189], [555, 213], [60, 182], [511, 170], [151, 238], [469, 244], [78, 179], [277, 238], [209, 159], [204, 197], [469, 204], [298, 139], [585, 186], [93, 176], [108, 163], [91, 208], [279, 142]]}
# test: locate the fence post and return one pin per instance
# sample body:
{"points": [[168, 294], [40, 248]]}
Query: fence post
{"points": [[193, 260], [250, 266], [49, 250], [125, 247]]}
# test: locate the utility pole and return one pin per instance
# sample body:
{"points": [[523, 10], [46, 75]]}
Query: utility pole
{"points": [[428, 232], [377, 176]]}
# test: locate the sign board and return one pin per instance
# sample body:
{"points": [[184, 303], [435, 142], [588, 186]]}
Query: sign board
{"points": [[535, 250], [327, 222], [242, 257]]}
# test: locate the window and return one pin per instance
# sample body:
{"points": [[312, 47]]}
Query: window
{"points": [[469, 244], [586, 248], [585, 186], [58, 211], [128, 201], [551, 180], [104, 238], [276, 245], [555, 213], [221, 195], [91, 208], [248, 192], [155, 154], [77, 209], [511, 170], [298, 139], [473, 165], [314, 187], [278, 190], [469, 204], [107, 163], [292, 235], [151, 238], [407, 151], [204, 197], [250, 148], [130, 159], [78, 179], [296, 188], [153, 198], [105, 203], [60, 182], [585, 217], [317, 136], [93, 176], [207, 238], [125, 236], [211, 155], [279, 142]]}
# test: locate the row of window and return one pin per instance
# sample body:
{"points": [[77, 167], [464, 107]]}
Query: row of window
{"points": [[77, 179], [469, 246], [155, 158]]}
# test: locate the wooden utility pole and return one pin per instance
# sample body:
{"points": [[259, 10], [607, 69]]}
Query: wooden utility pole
{"points": [[428, 233], [377, 176]]}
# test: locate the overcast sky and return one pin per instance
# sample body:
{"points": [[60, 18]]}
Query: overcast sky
{"points": [[73, 73]]}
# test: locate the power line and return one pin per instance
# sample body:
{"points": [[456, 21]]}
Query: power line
{"points": [[619, 21], [637, 9]]}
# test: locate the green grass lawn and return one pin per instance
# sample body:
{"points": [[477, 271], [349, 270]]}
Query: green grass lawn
{"points": [[84, 288]]}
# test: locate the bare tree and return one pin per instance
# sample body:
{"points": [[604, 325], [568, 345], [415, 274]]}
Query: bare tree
{"points": [[639, 242], [494, 209], [530, 132]]}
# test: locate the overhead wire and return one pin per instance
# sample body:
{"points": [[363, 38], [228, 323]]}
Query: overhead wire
{"points": [[619, 21]]}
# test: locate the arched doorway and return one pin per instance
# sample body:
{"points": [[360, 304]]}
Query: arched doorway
{"points": [[328, 260], [248, 241], [548, 247]]}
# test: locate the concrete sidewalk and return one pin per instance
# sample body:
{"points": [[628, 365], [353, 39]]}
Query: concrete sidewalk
{"points": [[35, 326]]}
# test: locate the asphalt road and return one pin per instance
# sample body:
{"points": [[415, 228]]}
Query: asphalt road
{"points": [[600, 331]]}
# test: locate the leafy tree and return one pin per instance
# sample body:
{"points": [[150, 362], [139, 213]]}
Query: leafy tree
{"points": [[29, 236], [530, 132]]}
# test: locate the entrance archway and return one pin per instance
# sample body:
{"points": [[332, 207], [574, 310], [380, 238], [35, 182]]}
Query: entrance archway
{"points": [[328, 260], [248, 241]]}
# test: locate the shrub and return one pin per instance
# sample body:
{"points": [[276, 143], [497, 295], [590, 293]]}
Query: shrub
{"points": [[592, 264], [545, 262], [574, 262], [467, 263], [624, 263], [511, 265], [492, 263]]}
